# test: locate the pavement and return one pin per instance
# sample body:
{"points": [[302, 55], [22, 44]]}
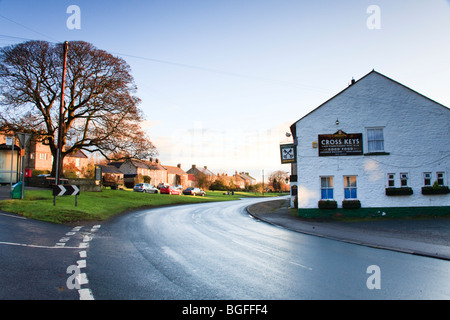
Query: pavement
{"points": [[428, 237]]}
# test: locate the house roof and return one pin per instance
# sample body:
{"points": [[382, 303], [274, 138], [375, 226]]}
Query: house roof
{"points": [[139, 164], [77, 154], [154, 165], [246, 176], [175, 170], [293, 129], [110, 169]]}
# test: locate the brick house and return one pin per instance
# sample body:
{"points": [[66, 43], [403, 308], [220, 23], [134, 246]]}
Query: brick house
{"points": [[134, 170], [177, 176], [37, 157]]}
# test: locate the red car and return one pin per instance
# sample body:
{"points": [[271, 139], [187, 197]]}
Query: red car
{"points": [[170, 190]]}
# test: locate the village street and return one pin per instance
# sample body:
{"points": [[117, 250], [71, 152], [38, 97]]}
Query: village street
{"points": [[202, 252]]}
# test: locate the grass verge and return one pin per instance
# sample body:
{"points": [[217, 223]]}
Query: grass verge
{"points": [[100, 206]]}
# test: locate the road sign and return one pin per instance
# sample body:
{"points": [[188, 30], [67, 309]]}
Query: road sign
{"points": [[66, 190]]}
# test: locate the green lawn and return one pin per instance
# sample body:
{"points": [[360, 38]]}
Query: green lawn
{"points": [[99, 206]]}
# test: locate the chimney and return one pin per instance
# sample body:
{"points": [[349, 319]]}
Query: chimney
{"points": [[194, 166], [205, 167], [179, 165], [157, 160]]}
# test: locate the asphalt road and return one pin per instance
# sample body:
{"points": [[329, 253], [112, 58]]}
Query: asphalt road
{"points": [[202, 252], [217, 251], [35, 258]]}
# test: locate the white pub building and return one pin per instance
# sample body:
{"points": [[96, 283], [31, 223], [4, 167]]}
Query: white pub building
{"points": [[377, 147]]}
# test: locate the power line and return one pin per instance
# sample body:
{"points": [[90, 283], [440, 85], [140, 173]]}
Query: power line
{"points": [[217, 71], [28, 28]]}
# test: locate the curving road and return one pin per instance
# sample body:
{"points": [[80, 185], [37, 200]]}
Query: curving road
{"points": [[217, 251]]}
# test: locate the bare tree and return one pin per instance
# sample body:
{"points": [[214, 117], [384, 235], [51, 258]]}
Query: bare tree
{"points": [[277, 180], [100, 106]]}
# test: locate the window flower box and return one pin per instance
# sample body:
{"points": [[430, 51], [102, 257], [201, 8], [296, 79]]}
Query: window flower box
{"points": [[327, 204], [403, 191], [435, 190], [351, 204]]}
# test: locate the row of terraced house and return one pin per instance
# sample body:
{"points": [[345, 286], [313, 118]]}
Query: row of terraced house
{"points": [[130, 171], [38, 159]]}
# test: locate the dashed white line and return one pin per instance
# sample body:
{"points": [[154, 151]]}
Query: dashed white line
{"points": [[86, 294], [81, 264], [82, 279]]}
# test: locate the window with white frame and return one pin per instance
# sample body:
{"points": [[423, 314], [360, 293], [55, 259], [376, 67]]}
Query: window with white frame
{"points": [[427, 178], [440, 178], [350, 187], [326, 188], [375, 140], [391, 180], [403, 179]]}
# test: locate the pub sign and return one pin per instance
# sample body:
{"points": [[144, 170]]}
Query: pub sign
{"points": [[288, 154], [340, 144]]}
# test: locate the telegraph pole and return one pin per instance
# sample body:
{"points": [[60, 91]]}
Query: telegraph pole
{"points": [[61, 113], [263, 183]]}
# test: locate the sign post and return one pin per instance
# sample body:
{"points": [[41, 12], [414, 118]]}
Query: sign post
{"points": [[23, 140], [66, 190]]}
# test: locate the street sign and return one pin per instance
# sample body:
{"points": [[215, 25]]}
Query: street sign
{"points": [[23, 139], [66, 190]]}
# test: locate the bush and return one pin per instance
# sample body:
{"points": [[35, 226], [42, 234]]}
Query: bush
{"points": [[351, 204], [403, 191], [435, 189], [327, 204]]}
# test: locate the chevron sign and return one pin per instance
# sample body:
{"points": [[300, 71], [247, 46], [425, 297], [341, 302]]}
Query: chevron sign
{"points": [[66, 190]]}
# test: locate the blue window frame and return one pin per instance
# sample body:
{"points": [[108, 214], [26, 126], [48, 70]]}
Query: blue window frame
{"points": [[326, 188], [350, 187]]}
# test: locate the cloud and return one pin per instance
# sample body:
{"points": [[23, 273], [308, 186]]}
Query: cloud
{"points": [[222, 150]]}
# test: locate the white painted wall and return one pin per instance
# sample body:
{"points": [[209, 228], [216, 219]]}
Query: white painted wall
{"points": [[416, 134]]}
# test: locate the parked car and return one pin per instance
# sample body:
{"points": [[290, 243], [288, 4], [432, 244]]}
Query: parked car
{"points": [[162, 185], [170, 190], [145, 187], [194, 192]]}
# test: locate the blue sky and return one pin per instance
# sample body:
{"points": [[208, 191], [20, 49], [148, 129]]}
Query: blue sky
{"points": [[221, 81]]}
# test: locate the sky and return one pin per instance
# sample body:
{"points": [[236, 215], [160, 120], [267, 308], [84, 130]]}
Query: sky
{"points": [[221, 81]]}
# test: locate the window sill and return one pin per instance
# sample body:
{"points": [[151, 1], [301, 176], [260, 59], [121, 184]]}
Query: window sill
{"points": [[381, 153], [435, 190], [402, 191]]}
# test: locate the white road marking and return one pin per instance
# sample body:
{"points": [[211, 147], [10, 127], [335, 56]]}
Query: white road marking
{"points": [[37, 246], [11, 216], [82, 279], [81, 264], [86, 294]]}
